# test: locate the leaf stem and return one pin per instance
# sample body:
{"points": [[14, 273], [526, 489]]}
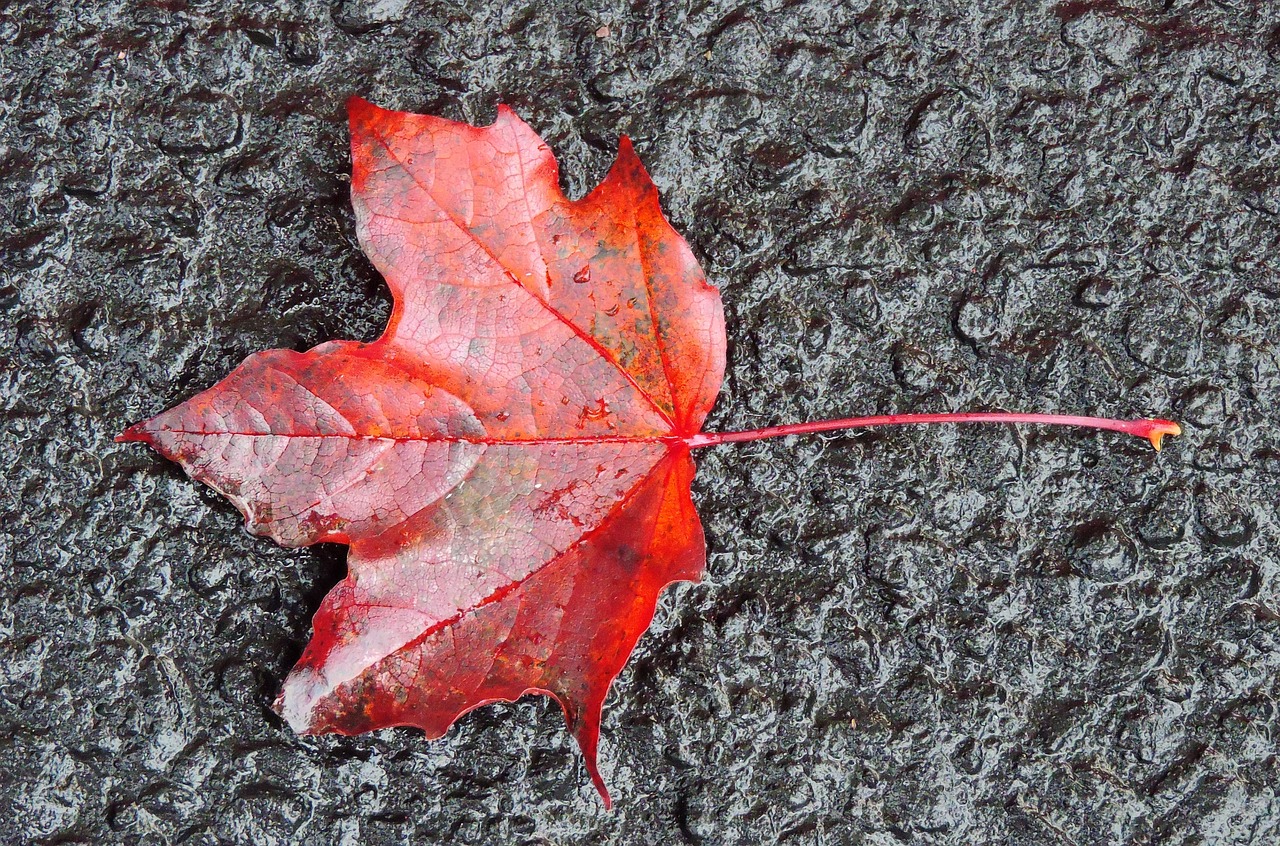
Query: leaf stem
{"points": [[1152, 430]]}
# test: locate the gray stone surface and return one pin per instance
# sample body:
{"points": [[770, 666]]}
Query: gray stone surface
{"points": [[977, 636]]}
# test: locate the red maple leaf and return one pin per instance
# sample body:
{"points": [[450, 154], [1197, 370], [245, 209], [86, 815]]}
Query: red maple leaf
{"points": [[510, 462]]}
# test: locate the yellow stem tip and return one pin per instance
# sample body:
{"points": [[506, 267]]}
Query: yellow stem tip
{"points": [[1164, 427]]}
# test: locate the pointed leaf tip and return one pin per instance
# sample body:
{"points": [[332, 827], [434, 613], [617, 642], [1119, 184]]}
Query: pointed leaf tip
{"points": [[136, 432], [356, 104], [593, 770], [583, 720]]}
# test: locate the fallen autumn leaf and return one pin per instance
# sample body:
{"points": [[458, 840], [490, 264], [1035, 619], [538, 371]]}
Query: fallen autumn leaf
{"points": [[510, 463]]}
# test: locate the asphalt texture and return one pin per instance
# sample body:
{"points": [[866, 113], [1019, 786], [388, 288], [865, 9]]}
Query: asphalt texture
{"points": [[987, 635]]}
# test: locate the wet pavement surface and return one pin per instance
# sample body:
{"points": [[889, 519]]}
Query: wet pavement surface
{"points": [[950, 636]]}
